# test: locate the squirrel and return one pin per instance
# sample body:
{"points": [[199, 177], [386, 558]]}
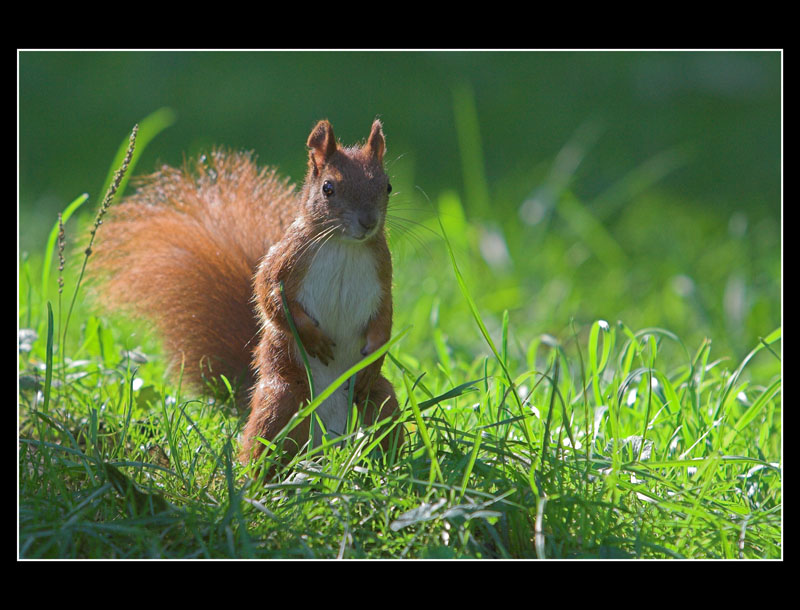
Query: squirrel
{"points": [[211, 254]]}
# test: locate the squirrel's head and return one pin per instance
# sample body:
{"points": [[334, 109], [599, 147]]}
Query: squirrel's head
{"points": [[346, 190]]}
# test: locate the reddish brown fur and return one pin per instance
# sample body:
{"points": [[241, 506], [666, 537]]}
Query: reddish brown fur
{"points": [[274, 403], [188, 251]]}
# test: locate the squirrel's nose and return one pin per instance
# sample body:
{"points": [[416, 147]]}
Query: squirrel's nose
{"points": [[367, 221]]}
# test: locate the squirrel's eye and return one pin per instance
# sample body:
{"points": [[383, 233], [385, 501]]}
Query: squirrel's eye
{"points": [[389, 188], [327, 188]]}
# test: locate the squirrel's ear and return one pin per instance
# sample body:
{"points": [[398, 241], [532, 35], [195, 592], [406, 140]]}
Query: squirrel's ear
{"points": [[376, 144], [322, 143]]}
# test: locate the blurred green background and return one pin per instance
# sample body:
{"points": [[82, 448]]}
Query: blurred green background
{"points": [[641, 186]]}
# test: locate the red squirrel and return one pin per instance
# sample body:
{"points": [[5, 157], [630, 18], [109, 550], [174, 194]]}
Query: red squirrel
{"points": [[203, 255]]}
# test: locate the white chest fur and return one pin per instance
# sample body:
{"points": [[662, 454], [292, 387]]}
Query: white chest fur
{"points": [[341, 291]]}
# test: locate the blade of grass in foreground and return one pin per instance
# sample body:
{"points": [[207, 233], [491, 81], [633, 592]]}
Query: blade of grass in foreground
{"points": [[470, 464], [322, 396], [596, 367], [479, 321], [51, 241], [726, 395], [48, 374], [426, 439], [752, 411], [107, 199]]}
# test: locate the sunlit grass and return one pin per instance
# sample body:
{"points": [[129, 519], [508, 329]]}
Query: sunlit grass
{"points": [[564, 396]]}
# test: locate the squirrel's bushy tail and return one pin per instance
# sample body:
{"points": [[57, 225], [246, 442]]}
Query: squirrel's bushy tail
{"points": [[181, 253]]}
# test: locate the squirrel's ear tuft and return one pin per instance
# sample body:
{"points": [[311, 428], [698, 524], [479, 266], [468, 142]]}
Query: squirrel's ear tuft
{"points": [[322, 143], [376, 144]]}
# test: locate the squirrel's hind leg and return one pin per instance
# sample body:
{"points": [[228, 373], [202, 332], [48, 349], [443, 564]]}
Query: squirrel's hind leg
{"points": [[381, 403], [273, 404]]}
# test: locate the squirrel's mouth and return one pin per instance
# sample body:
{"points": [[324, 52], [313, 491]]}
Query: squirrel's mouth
{"points": [[359, 237], [359, 231]]}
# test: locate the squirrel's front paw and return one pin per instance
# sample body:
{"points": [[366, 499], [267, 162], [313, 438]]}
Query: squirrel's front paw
{"points": [[318, 345]]}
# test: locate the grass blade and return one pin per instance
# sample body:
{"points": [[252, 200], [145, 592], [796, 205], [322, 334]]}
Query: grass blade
{"points": [[48, 373], [149, 128], [51, 241], [423, 432], [479, 321]]}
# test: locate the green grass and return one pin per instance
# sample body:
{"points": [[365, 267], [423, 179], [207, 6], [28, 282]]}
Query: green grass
{"points": [[535, 428]]}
